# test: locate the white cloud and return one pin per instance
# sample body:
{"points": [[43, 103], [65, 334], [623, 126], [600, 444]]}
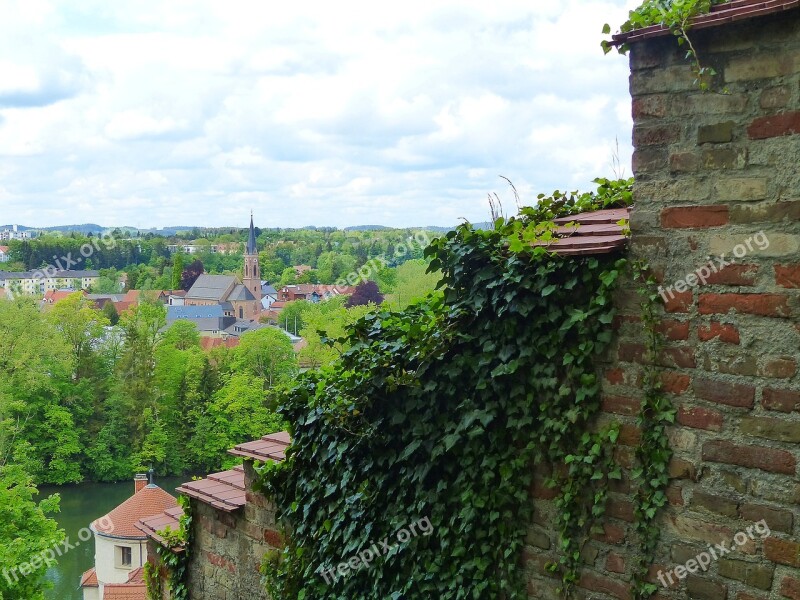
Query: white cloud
{"points": [[195, 111]]}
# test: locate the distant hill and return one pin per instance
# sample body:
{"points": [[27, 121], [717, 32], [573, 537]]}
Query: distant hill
{"points": [[95, 229]]}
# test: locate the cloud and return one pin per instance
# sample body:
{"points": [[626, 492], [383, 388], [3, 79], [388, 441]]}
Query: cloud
{"points": [[154, 113]]}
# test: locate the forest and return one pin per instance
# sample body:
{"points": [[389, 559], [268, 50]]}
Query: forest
{"points": [[149, 264]]}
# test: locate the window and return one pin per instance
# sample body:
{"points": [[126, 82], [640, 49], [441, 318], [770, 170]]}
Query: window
{"points": [[123, 556]]}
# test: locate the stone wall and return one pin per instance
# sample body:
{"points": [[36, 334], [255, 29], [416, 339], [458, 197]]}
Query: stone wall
{"points": [[716, 173], [228, 548]]}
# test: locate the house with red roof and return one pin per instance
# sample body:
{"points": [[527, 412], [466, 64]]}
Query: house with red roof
{"points": [[121, 547], [4, 254]]}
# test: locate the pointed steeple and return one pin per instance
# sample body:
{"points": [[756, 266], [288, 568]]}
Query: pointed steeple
{"points": [[251, 243]]}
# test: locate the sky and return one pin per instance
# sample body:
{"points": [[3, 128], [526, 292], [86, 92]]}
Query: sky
{"points": [[152, 113]]}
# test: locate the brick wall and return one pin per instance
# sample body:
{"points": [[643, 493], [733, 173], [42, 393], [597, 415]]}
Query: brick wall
{"points": [[228, 548], [712, 172]]}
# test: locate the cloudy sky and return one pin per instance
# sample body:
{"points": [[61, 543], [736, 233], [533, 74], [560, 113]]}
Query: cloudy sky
{"points": [[164, 112]]}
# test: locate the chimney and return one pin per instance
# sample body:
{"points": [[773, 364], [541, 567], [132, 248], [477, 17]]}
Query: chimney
{"points": [[139, 482]]}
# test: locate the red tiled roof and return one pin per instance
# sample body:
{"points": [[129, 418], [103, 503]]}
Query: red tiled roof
{"points": [[136, 576], [224, 491], [208, 343], [597, 233], [737, 10], [89, 578], [121, 522], [270, 447], [4, 248], [125, 591], [150, 526]]}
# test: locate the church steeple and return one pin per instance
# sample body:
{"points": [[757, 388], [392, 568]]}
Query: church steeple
{"points": [[252, 270], [251, 242]]}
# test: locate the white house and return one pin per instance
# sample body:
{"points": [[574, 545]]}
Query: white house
{"points": [[4, 253], [120, 548]]}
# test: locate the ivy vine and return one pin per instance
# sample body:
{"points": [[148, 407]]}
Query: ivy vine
{"points": [[173, 556], [653, 452], [677, 16], [444, 411]]}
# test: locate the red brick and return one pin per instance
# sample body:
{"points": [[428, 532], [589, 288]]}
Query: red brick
{"points": [[779, 368], [754, 457], [700, 418], [746, 596], [682, 358], [620, 509], [787, 276], [780, 400], [777, 520], [597, 583], [787, 123], [219, 561], [621, 405], [733, 275], [615, 563], [655, 136], [723, 331], [631, 352], [675, 383], [782, 552], [679, 468], [685, 217], [273, 538], [629, 435], [615, 376], [674, 495], [684, 162], [649, 106], [674, 330], [678, 302], [541, 491], [612, 534], [765, 305], [722, 392], [790, 588]]}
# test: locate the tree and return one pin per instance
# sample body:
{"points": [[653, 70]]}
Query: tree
{"points": [[267, 354], [190, 274], [110, 312], [27, 534], [177, 272], [366, 292]]}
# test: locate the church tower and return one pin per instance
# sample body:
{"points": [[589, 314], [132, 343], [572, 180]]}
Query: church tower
{"points": [[252, 271]]}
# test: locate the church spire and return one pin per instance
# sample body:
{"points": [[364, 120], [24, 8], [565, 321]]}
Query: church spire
{"points": [[251, 243]]}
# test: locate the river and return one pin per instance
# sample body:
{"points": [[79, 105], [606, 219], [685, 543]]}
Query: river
{"points": [[80, 505]]}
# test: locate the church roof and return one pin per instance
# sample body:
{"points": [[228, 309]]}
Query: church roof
{"points": [[121, 522], [251, 241], [211, 287], [241, 293]]}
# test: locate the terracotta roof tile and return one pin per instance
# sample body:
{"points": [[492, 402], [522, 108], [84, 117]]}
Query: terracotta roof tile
{"points": [[136, 576], [596, 233], [121, 522], [89, 578], [721, 14], [149, 526], [270, 447], [125, 591], [224, 491]]}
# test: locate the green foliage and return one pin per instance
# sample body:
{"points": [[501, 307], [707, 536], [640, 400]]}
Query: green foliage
{"points": [[653, 452], [677, 16], [27, 534], [442, 410], [173, 556]]}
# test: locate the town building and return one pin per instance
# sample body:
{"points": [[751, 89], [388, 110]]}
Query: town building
{"points": [[4, 250], [240, 299], [39, 282], [15, 233], [121, 548], [313, 292]]}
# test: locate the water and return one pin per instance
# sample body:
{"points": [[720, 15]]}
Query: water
{"points": [[80, 505]]}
